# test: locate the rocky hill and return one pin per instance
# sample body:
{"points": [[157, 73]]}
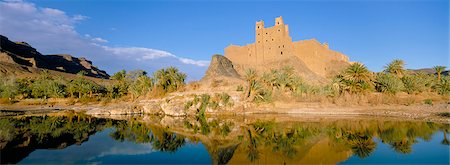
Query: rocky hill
{"points": [[220, 76], [19, 57], [220, 66]]}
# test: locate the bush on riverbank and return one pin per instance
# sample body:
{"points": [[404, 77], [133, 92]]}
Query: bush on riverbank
{"points": [[132, 84], [354, 85]]}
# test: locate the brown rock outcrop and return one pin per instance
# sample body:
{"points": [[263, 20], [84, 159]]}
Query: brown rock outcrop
{"points": [[220, 66], [21, 53]]}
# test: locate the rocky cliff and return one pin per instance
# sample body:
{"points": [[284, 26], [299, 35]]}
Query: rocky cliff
{"points": [[21, 53]]}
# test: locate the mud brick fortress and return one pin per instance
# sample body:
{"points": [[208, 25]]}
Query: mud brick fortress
{"points": [[274, 48]]}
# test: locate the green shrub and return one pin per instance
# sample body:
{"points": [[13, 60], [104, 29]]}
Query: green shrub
{"points": [[24, 86], [188, 105], [388, 83], [213, 105], [83, 87], [428, 101], [240, 88], [413, 84], [444, 114], [204, 98], [8, 88], [262, 95], [48, 88], [443, 86], [225, 99]]}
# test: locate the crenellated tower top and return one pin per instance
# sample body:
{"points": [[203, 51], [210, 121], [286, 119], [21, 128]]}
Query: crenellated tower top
{"points": [[279, 21]]}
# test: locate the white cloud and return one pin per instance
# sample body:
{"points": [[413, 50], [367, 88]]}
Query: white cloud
{"points": [[79, 17], [194, 62], [53, 31], [98, 39], [138, 53], [143, 54]]}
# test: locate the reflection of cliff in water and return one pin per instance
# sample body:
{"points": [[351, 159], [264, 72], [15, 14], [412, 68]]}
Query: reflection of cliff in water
{"points": [[20, 136], [228, 140]]}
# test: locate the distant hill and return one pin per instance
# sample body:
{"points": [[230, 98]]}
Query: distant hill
{"points": [[429, 71], [18, 58]]}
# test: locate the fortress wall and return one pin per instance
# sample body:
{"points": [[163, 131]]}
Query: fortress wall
{"points": [[242, 56], [273, 43], [274, 47], [318, 57]]}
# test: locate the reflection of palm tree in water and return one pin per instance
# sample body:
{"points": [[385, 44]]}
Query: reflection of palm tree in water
{"points": [[361, 143], [250, 144], [404, 146], [168, 142], [363, 147], [445, 141]]}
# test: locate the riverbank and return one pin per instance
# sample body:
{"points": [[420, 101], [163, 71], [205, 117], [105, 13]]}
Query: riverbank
{"points": [[423, 112]]}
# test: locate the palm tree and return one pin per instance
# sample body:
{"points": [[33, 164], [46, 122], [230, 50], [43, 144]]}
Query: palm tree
{"points": [[120, 75], [439, 70], [250, 77], [396, 67], [357, 78], [357, 72], [176, 77], [169, 79]]}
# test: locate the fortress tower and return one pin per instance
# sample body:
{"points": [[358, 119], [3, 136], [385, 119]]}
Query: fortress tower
{"points": [[273, 47]]}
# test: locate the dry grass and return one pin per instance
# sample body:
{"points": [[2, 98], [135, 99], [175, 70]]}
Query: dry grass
{"points": [[33, 102], [369, 99], [194, 85], [6, 101]]}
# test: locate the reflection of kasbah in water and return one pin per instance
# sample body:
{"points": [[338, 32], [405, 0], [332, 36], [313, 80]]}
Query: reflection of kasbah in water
{"points": [[228, 140]]}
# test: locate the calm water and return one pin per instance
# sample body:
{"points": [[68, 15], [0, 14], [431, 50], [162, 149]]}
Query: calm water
{"points": [[80, 139]]}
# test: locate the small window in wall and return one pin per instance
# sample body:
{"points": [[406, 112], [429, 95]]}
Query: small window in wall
{"points": [[283, 46], [258, 34], [266, 33], [278, 29], [266, 40], [281, 52], [278, 23], [258, 27], [272, 39]]}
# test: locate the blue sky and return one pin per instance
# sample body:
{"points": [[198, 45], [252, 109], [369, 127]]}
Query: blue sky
{"points": [[371, 32]]}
